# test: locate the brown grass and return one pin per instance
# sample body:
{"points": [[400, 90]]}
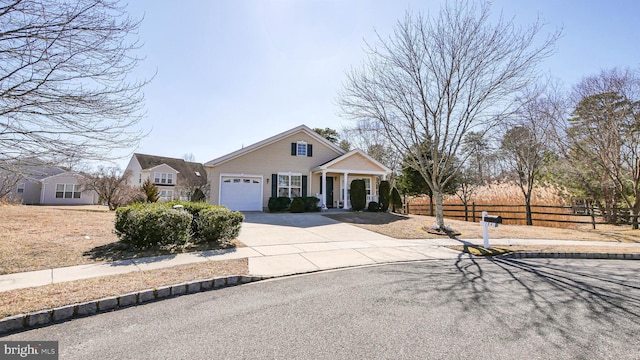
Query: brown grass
{"points": [[37, 237], [51, 296], [410, 227], [43, 237]]}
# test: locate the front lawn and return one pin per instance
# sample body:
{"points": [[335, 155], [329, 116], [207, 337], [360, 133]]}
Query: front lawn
{"points": [[411, 227], [42, 237]]}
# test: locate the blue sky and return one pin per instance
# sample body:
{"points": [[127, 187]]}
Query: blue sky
{"points": [[231, 73]]}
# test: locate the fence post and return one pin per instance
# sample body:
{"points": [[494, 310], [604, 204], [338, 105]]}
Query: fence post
{"points": [[473, 211], [466, 211], [407, 208]]}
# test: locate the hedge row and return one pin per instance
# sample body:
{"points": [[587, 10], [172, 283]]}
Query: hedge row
{"points": [[298, 205], [157, 224]]}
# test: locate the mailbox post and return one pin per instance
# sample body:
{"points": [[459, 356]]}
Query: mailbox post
{"points": [[487, 221]]}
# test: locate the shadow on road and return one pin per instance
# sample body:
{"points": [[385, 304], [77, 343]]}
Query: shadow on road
{"points": [[546, 299]]}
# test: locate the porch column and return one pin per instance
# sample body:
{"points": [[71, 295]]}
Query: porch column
{"points": [[345, 196], [324, 189], [384, 177]]}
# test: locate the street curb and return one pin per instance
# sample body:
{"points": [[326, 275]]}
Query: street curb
{"points": [[41, 318], [570, 255]]}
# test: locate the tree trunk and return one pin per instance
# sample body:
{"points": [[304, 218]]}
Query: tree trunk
{"points": [[430, 205], [527, 201], [635, 213], [439, 213]]}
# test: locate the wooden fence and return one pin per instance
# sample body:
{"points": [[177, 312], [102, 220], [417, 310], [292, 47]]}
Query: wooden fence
{"points": [[544, 215]]}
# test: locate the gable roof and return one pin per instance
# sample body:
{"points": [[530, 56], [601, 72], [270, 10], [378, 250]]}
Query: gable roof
{"points": [[33, 172], [187, 171], [349, 154], [272, 140], [64, 173]]}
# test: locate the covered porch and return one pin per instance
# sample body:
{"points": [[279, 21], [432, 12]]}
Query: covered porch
{"points": [[331, 181]]}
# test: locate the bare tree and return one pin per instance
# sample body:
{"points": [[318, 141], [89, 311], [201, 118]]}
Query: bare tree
{"points": [[111, 186], [437, 78], [370, 137], [189, 157], [64, 92], [603, 139], [195, 189], [8, 182], [527, 144]]}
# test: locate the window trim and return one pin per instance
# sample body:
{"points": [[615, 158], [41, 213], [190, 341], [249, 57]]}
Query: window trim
{"points": [[289, 186], [163, 178], [20, 188], [301, 148], [69, 191]]}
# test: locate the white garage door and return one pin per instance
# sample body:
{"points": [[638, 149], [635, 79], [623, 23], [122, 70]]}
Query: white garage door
{"points": [[241, 193]]}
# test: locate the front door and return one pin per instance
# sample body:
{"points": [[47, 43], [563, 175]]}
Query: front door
{"points": [[329, 197]]}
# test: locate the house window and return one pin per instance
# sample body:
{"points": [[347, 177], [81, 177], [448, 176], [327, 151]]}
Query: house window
{"points": [[20, 188], [290, 185], [67, 191], [367, 185], [302, 148], [163, 178], [166, 195]]}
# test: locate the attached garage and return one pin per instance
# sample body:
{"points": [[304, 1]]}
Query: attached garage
{"points": [[243, 193]]}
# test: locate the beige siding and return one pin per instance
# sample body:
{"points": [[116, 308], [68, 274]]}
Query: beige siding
{"points": [[163, 168], [355, 163], [272, 159]]}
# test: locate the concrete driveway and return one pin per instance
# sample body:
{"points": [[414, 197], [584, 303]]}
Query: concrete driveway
{"points": [[264, 229], [299, 243]]}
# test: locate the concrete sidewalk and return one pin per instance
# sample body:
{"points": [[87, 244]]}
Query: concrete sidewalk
{"points": [[286, 244], [284, 259]]}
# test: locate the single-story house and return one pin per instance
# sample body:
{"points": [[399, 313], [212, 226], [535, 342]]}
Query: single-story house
{"points": [[45, 185], [66, 189], [175, 178], [297, 162]]}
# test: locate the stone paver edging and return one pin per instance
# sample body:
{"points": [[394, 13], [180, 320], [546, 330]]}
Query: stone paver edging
{"points": [[46, 317]]}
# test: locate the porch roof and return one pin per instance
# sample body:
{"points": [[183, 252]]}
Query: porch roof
{"points": [[353, 162]]}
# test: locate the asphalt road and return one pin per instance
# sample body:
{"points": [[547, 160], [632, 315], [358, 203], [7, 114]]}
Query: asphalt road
{"points": [[464, 309]]}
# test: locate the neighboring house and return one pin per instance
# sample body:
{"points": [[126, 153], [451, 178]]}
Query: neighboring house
{"points": [[175, 178], [66, 189], [47, 185], [297, 162]]}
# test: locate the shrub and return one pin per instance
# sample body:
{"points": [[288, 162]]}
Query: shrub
{"points": [[157, 224], [373, 207], [218, 223], [311, 203], [385, 195], [396, 199], [193, 208], [277, 204], [148, 225], [358, 195], [297, 205], [151, 191]]}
